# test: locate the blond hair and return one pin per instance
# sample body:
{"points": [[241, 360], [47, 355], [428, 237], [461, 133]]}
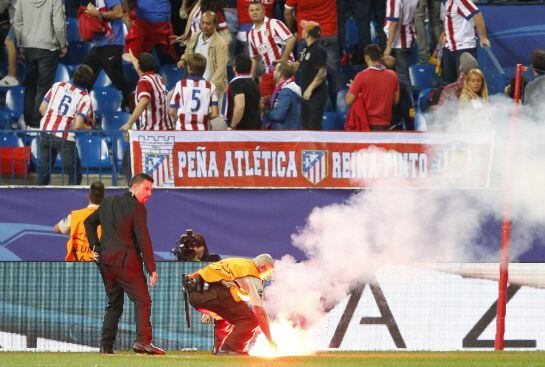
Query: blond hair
{"points": [[483, 94]]}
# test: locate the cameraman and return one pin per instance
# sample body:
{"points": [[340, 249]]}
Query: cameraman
{"points": [[192, 247]]}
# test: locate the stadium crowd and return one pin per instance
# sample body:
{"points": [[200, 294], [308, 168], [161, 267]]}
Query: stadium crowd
{"points": [[206, 64]]}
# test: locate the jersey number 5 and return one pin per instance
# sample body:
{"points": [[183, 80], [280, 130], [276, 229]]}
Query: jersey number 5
{"points": [[64, 105], [195, 97]]}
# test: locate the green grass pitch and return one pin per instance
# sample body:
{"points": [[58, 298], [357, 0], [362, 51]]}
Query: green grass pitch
{"points": [[201, 359]]}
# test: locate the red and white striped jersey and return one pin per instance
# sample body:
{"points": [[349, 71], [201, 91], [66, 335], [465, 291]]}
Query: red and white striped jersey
{"points": [[268, 41], [193, 97], [459, 24], [196, 22], [155, 116], [403, 12], [64, 102]]}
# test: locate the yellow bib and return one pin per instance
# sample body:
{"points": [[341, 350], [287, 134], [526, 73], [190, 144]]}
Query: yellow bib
{"points": [[228, 270], [77, 247]]}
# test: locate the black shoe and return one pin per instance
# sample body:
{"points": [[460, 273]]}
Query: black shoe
{"points": [[147, 349], [106, 350], [228, 352]]}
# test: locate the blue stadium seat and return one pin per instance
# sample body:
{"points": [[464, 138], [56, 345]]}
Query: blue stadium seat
{"points": [[422, 102], [332, 121], [15, 102], [76, 53], [102, 80], [10, 140], [342, 107], [352, 38], [106, 100], [423, 76], [61, 75], [172, 75], [93, 153], [420, 123], [72, 30], [113, 121], [5, 122]]}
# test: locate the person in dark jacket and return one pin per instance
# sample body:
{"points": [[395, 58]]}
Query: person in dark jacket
{"points": [[403, 110], [285, 112], [125, 244]]}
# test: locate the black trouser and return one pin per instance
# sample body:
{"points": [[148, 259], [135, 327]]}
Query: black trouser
{"points": [[109, 58], [312, 111], [40, 68], [239, 323], [117, 281], [50, 146], [451, 63]]}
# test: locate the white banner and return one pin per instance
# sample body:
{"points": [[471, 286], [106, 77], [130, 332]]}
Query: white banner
{"points": [[438, 307]]}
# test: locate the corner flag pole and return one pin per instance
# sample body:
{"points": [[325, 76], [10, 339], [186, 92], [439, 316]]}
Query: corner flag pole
{"points": [[506, 223]]}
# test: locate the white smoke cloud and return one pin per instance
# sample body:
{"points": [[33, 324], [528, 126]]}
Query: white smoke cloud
{"points": [[345, 243]]}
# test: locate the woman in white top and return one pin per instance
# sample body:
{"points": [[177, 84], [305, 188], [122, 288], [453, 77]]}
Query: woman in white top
{"points": [[475, 91]]}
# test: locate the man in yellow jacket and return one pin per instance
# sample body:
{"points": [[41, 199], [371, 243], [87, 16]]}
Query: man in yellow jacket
{"points": [[77, 246], [231, 291]]}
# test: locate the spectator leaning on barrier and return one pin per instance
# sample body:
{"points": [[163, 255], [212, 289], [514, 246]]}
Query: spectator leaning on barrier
{"points": [[475, 91], [285, 112], [461, 19], [270, 41], [240, 108], [77, 246], [194, 101], [378, 89], [208, 43], [535, 90], [107, 47], [313, 67], [151, 102], [151, 28], [403, 111], [10, 80], [451, 92], [400, 31], [66, 106], [41, 33]]}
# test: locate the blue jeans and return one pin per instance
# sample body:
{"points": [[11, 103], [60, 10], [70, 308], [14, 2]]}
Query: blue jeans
{"points": [[451, 63], [403, 60], [50, 146], [41, 66]]}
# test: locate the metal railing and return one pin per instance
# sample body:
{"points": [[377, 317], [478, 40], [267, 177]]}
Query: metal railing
{"points": [[495, 76], [31, 157]]}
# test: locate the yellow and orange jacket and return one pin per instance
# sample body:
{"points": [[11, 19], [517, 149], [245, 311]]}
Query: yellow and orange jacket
{"points": [[228, 270], [77, 246]]}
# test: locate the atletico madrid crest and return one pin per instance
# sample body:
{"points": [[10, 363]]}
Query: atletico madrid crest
{"points": [[158, 167], [314, 165]]}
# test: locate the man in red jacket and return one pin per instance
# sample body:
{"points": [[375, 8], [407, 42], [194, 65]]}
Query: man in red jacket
{"points": [[377, 87]]}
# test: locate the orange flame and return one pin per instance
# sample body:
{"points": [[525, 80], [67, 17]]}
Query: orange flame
{"points": [[291, 341]]}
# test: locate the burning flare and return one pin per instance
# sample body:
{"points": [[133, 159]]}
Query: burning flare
{"points": [[291, 341]]}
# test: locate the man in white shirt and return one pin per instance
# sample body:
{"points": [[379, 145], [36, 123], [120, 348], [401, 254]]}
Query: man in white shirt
{"points": [[461, 19]]}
